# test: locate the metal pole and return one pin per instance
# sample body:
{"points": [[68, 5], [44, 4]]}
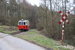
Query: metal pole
{"points": [[62, 25], [62, 31], [62, 6], [65, 6]]}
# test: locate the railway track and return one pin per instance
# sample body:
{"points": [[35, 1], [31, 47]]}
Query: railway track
{"points": [[19, 32], [14, 33]]}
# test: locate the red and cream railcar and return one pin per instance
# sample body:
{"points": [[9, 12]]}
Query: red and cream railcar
{"points": [[23, 24]]}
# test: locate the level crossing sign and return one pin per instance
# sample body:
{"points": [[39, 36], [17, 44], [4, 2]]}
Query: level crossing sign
{"points": [[64, 18]]}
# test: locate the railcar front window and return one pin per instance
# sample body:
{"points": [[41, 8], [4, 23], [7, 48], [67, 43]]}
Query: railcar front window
{"points": [[21, 23], [24, 23]]}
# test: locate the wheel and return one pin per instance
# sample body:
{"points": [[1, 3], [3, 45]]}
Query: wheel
{"points": [[21, 30]]}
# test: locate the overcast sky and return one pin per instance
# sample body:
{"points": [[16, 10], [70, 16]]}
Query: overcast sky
{"points": [[37, 2], [34, 2]]}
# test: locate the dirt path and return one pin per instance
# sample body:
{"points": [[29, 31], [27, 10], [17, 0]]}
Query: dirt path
{"points": [[8, 42]]}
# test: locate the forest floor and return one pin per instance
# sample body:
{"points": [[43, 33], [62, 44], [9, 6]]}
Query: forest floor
{"points": [[35, 37]]}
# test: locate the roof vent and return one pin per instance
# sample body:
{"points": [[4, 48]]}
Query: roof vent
{"points": [[22, 19]]}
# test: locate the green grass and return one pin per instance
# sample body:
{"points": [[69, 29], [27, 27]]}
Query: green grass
{"points": [[33, 32], [8, 29], [42, 40]]}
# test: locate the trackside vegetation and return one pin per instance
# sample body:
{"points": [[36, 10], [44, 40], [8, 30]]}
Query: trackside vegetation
{"points": [[36, 37], [8, 29]]}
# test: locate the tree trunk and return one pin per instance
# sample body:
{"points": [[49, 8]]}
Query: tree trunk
{"points": [[51, 17]]}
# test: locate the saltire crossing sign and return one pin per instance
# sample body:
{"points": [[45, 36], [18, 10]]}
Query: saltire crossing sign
{"points": [[64, 18]]}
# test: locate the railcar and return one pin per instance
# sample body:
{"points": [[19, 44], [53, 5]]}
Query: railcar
{"points": [[23, 25]]}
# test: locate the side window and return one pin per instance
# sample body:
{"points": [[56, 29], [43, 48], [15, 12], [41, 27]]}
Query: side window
{"points": [[24, 23], [21, 23]]}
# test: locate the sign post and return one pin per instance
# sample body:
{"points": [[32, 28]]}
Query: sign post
{"points": [[64, 18]]}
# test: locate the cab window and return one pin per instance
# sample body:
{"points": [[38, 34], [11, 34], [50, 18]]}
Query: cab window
{"points": [[24, 23], [21, 23]]}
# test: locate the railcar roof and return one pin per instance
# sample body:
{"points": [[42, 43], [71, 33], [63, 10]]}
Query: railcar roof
{"points": [[23, 20]]}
